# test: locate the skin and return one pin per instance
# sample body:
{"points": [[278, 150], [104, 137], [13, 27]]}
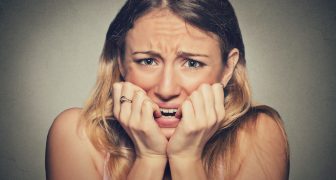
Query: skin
{"points": [[169, 63], [169, 79]]}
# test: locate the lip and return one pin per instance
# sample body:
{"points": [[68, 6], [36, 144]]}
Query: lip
{"points": [[168, 106], [165, 122], [178, 114]]}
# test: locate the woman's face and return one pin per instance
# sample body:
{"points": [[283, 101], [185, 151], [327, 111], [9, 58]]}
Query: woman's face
{"points": [[169, 59]]}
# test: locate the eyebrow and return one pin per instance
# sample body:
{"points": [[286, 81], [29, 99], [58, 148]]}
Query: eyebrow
{"points": [[151, 53], [180, 54]]}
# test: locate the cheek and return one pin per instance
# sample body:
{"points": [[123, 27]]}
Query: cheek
{"points": [[192, 82], [144, 80], [186, 81]]}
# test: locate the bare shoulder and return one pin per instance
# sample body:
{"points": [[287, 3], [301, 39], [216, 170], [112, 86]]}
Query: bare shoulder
{"points": [[66, 127], [68, 119], [269, 128], [263, 147], [263, 124], [69, 152]]}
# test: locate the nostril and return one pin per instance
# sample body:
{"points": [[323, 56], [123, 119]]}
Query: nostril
{"points": [[166, 97]]}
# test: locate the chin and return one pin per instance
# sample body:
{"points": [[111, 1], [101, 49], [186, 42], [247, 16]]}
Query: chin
{"points": [[168, 132]]}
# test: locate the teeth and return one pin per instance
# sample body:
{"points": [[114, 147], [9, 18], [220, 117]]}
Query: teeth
{"points": [[168, 110]]}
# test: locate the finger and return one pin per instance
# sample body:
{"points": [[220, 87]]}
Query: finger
{"points": [[116, 88], [137, 101], [156, 109], [147, 110], [198, 106], [147, 119], [209, 103], [188, 116], [125, 107], [219, 100], [143, 92], [135, 87]]}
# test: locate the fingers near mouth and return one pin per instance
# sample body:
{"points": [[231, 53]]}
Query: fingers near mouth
{"points": [[169, 118]]}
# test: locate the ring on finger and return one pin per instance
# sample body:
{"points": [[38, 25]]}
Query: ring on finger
{"points": [[124, 99]]}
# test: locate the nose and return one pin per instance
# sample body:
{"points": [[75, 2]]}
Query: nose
{"points": [[168, 86]]}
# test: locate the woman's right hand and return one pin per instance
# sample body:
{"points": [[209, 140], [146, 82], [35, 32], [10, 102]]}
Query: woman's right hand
{"points": [[137, 118]]}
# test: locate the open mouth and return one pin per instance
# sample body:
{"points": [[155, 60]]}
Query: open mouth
{"points": [[168, 112]]}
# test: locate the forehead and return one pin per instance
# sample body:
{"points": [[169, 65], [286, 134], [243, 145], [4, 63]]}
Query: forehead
{"points": [[160, 28]]}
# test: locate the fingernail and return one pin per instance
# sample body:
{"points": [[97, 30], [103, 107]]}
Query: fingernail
{"points": [[178, 114], [157, 114]]}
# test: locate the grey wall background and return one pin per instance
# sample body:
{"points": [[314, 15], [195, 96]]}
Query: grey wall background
{"points": [[49, 52]]}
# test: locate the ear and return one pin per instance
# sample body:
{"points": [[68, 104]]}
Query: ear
{"points": [[230, 66], [121, 67]]}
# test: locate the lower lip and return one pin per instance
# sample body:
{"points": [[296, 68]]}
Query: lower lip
{"points": [[167, 122]]}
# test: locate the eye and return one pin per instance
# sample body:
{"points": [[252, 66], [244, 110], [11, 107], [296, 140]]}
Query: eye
{"points": [[147, 62], [191, 63]]}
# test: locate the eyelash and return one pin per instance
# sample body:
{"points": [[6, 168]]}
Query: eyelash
{"points": [[199, 64], [143, 61], [187, 61]]}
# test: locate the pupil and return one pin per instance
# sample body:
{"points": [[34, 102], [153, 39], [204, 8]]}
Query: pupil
{"points": [[148, 61], [192, 63]]}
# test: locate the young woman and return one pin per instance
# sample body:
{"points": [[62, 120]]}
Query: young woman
{"points": [[172, 101]]}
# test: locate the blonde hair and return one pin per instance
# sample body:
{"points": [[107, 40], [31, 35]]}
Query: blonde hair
{"points": [[108, 136]]}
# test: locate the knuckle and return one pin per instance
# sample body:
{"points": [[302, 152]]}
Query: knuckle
{"points": [[194, 95], [188, 130], [186, 103], [218, 89], [147, 103], [212, 116], [198, 129], [204, 86], [116, 85], [217, 86], [221, 115], [139, 92], [211, 122], [127, 84], [137, 88], [145, 106], [192, 129], [145, 129], [137, 95], [132, 125]]}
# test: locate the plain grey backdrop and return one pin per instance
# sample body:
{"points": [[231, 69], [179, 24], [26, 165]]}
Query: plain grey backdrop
{"points": [[50, 49]]}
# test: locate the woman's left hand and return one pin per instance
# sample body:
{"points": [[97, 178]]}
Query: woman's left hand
{"points": [[202, 113]]}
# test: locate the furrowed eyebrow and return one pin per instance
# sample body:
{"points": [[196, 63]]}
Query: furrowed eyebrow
{"points": [[180, 54], [151, 53], [187, 54]]}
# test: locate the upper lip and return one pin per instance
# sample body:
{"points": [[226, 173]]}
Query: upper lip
{"points": [[168, 106]]}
